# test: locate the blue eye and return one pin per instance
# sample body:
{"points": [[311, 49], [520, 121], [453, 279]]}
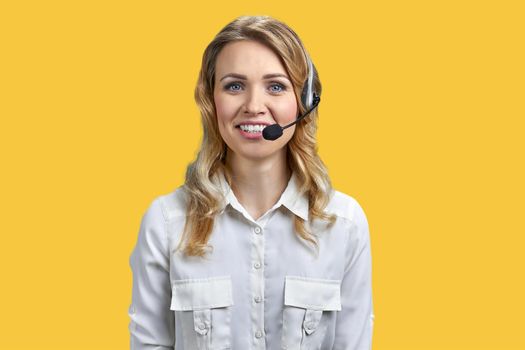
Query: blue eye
{"points": [[277, 87], [233, 87]]}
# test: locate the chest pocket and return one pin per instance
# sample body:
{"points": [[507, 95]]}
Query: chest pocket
{"points": [[309, 303], [203, 308]]}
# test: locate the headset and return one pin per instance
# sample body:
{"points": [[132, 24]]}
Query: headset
{"points": [[309, 98]]}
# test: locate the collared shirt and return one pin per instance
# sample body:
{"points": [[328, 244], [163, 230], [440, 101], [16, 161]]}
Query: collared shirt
{"points": [[261, 287]]}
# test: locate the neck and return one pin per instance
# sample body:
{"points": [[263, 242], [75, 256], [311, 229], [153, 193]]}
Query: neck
{"points": [[258, 183]]}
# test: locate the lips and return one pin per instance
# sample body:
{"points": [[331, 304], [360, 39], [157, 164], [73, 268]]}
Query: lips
{"points": [[252, 123], [250, 135]]}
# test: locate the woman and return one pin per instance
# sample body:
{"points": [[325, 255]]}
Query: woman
{"points": [[256, 250]]}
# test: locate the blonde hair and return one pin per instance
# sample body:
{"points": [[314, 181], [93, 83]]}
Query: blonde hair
{"points": [[203, 194]]}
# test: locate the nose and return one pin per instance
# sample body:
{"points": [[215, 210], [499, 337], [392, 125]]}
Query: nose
{"points": [[255, 103]]}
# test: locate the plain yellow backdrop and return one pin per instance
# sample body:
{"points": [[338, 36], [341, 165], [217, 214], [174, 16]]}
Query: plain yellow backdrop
{"points": [[421, 120]]}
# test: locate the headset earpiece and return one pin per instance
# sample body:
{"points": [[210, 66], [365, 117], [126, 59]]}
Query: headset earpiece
{"points": [[307, 95]]}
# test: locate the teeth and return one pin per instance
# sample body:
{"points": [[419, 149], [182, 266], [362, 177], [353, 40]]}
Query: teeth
{"points": [[252, 128]]}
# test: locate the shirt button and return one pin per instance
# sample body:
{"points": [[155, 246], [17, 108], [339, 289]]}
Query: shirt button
{"points": [[258, 230], [257, 265], [309, 325], [202, 326], [258, 334], [258, 299]]}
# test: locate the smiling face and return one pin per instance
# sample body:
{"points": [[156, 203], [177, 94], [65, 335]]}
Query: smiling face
{"points": [[252, 87]]}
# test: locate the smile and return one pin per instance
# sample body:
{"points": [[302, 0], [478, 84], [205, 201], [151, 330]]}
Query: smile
{"points": [[252, 128], [251, 131]]}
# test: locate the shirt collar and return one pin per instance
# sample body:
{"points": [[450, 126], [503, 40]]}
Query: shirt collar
{"points": [[294, 201]]}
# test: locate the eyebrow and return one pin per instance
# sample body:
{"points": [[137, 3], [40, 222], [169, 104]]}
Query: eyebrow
{"points": [[266, 76]]}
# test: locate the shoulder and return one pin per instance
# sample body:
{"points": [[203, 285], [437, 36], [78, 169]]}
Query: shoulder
{"points": [[355, 221], [156, 219], [349, 210], [163, 208], [345, 206], [172, 204]]}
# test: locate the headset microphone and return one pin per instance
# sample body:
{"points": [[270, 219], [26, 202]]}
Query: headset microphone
{"points": [[309, 98], [274, 131]]}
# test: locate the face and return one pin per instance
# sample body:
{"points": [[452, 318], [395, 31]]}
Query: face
{"points": [[252, 87]]}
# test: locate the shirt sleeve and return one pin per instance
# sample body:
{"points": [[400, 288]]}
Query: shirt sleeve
{"points": [[355, 320], [152, 324]]}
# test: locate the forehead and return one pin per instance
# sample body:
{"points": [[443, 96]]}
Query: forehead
{"points": [[248, 57]]}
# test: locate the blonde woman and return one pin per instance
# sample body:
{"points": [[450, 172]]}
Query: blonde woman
{"points": [[255, 250]]}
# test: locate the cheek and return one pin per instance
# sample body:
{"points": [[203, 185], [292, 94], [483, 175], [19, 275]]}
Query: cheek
{"points": [[225, 108], [219, 107], [288, 110]]}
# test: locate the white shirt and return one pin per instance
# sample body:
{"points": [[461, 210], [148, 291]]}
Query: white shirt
{"points": [[261, 287]]}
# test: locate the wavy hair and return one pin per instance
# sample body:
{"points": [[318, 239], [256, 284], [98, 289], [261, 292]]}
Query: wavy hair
{"points": [[202, 191]]}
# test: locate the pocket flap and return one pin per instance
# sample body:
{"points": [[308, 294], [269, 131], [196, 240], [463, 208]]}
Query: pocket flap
{"points": [[201, 293], [312, 293]]}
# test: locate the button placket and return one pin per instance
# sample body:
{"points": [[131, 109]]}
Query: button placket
{"points": [[257, 279]]}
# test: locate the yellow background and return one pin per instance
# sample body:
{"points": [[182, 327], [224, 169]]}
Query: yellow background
{"points": [[421, 121]]}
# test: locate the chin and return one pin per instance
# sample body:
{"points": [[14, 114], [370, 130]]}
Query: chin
{"points": [[255, 155]]}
